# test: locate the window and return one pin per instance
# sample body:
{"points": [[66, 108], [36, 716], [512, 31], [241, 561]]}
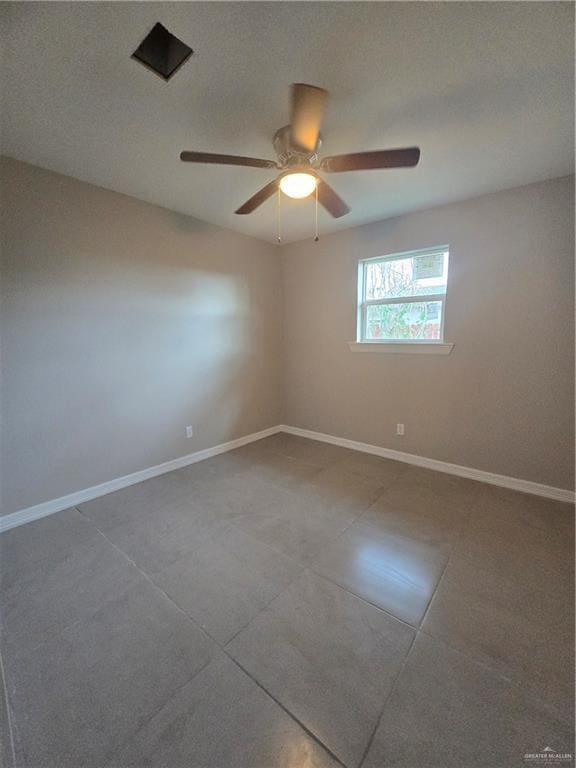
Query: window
{"points": [[402, 297]]}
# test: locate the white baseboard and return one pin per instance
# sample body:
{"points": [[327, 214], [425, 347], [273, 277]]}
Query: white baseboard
{"points": [[71, 500], [29, 514], [514, 483]]}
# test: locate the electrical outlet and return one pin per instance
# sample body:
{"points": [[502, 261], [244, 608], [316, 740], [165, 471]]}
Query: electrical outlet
{"points": [[189, 432], [399, 429]]}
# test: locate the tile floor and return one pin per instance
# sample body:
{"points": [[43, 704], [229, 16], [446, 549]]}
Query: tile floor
{"points": [[290, 604]]}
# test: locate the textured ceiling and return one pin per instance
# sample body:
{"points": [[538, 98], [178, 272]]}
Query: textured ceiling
{"points": [[485, 89]]}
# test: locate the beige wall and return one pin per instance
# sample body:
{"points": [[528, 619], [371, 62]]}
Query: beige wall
{"points": [[121, 323], [503, 400]]}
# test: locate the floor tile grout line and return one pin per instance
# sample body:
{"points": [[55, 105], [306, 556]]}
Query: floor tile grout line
{"points": [[227, 523], [276, 452], [289, 490], [435, 591], [516, 683], [415, 630], [8, 710], [380, 496], [310, 568], [230, 524], [189, 619], [418, 630], [360, 597], [386, 700], [283, 554], [471, 657], [355, 520], [223, 650], [336, 538], [279, 452], [158, 709], [60, 629], [333, 464], [156, 587], [265, 607], [421, 630], [402, 536], [285, 709], [307, 567], [304, 567], [266, 544]]}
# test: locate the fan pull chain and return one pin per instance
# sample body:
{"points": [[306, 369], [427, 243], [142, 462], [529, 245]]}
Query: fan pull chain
{"points": [[278, 221], [316, 238]]}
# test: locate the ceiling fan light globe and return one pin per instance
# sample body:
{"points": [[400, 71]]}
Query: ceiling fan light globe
{"points": [[298, 185]]}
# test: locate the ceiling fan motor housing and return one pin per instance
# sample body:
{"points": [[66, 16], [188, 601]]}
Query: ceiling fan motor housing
{"points": [[289, 154], [297, 146]]}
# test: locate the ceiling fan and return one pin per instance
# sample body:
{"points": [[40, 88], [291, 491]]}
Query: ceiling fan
{"points": [[297, 146]]}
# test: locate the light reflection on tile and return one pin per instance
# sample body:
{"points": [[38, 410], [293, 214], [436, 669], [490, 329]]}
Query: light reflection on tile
{"points": [[397, 574]]}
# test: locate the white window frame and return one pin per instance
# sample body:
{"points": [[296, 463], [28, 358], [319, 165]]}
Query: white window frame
{"points": [[363, 303]]}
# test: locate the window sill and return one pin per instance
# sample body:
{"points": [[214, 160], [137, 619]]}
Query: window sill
{"points": [[402, 348]]}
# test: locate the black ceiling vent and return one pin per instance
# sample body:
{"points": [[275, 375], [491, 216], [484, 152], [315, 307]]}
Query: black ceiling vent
{"points": [[161, 52]]}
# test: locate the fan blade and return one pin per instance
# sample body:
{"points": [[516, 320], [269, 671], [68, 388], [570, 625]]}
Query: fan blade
{"points": [[260, 197], [308, 104], [208, 157], [365, 161], [331, 201]]}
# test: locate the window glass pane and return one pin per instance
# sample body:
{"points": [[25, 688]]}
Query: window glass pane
{"points": [[419, 275], [410, 320]]}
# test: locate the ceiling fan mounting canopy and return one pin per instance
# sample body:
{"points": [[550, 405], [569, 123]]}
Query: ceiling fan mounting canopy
{"points": [[297, 146]]}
